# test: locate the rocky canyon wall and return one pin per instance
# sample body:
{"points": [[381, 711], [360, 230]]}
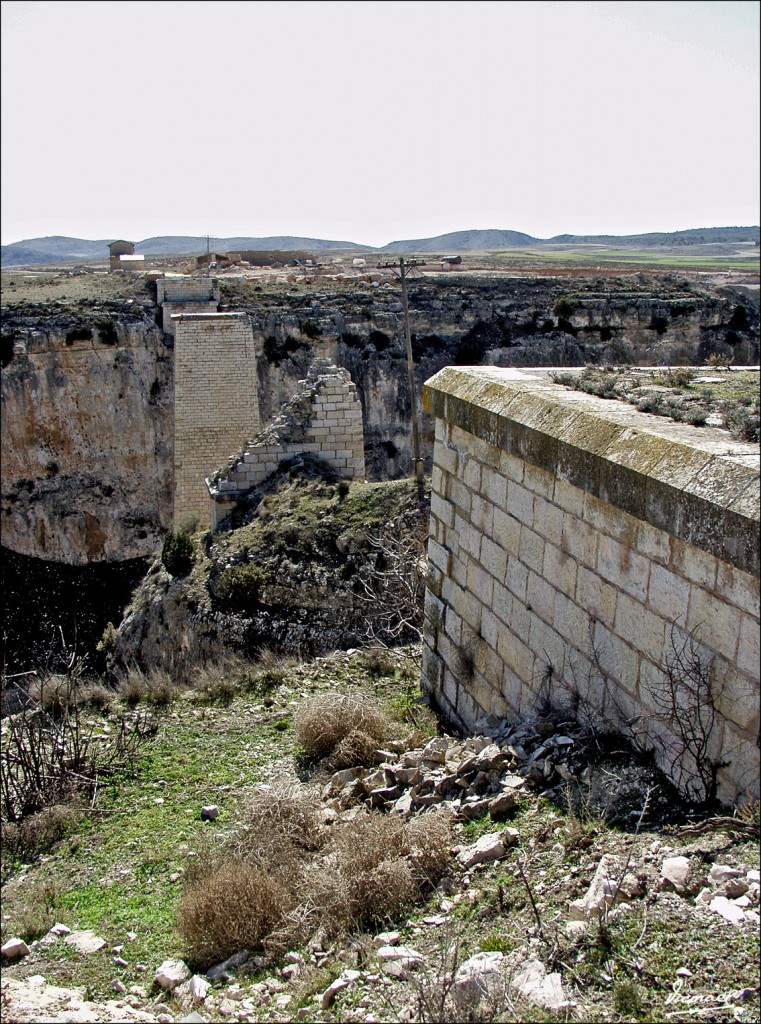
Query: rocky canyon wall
{"points": [[87, 435], [87, 389]]}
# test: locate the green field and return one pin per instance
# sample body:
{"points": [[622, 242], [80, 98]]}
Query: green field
{"points": [[747, 263]]}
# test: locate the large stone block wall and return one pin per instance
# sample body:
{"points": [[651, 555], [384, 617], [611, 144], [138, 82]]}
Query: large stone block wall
{"points": [[177, 295], [216, 401], [576, 547], [323, 419]]}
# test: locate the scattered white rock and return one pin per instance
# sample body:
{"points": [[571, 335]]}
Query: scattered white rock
{"points": [[210, 812], [675, 871], [575, 929], [726, 909], [171, 974], [488, 848], [602, 890], [59, 929], [632, 886], [540, 988], [199, 987], [386, 939], [85, 941], [404, 956], [37, 1002], [344, 979], [502, 805], [13, 949], [479, 978], [721, 873], [736, 887]]}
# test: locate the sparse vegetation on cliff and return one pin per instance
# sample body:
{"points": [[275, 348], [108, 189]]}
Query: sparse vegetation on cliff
{"points": [[717, 396]]}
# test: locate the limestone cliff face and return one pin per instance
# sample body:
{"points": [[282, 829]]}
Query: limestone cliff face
{"points": [[86, 439], [633, 319], [87, 389]]}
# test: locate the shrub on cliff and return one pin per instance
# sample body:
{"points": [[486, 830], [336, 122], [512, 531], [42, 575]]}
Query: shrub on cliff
{"points": [[239, 586], [177, 553]]}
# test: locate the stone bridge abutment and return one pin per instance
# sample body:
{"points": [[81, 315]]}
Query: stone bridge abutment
{"points": [[582, 552]]}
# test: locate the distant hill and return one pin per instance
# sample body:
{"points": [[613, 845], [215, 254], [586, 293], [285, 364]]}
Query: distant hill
{"points": [[693, 236], [495, 239], [164, 245], [463, 241], [59, 248], [52, 249]]}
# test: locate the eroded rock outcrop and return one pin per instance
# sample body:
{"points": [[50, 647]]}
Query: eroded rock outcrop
{"points": [[87, 428]]}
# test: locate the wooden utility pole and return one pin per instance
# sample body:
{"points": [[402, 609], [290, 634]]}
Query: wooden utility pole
{"points": [[403, 268]]}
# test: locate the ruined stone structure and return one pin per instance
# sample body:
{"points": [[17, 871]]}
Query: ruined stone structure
{"points": [[215, 401], [324, 419], [177, 295], [577, 549]]}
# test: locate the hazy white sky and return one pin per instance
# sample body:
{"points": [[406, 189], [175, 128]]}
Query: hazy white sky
{"points": [[375, 121]]}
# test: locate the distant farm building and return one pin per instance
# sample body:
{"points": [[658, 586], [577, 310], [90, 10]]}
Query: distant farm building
{"points": [[121, 256], [218, 258], [269, 257], [121, 248]]}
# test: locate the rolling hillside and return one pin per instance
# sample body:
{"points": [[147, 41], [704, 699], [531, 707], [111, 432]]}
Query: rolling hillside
{"points": [[59, 248]]}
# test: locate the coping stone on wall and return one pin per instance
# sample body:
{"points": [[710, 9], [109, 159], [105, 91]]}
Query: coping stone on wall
{"points": [[696, 483]]}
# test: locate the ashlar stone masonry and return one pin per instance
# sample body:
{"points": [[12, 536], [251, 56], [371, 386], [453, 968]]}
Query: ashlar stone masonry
{"points": [[324, 418], [577, 547], [216, 401], [182, 294]]}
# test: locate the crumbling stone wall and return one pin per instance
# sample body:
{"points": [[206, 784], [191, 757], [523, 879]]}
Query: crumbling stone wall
{"points": [[215, 401], [576, 545], [324, 419]]}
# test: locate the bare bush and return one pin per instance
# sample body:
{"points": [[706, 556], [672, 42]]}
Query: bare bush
{"points": [[322, 722], [52, 759], [231, 906], [394, 591], [388, 863], [687, 705], [279, 825], [355, 749]]}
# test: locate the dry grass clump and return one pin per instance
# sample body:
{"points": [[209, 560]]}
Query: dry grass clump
{"points": [[380, 866], [324, 721], [24, 839], [280, 825], [231, 906], [51, 692], [37, 915], [357, 748], [430, 839], [363, 882], [289, 878], [154, 687]]}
